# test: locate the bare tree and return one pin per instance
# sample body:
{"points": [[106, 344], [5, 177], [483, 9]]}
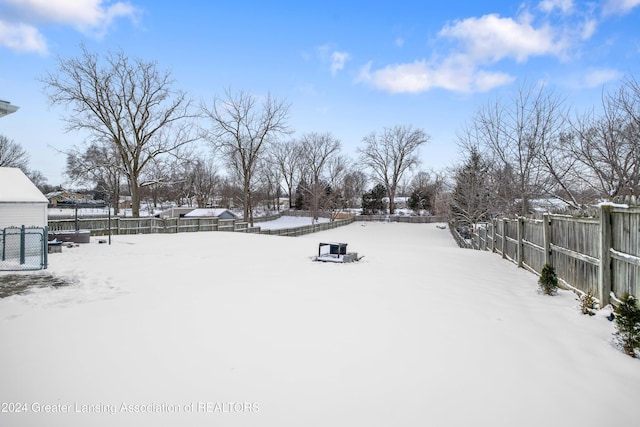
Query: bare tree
{"points": [[286, 156], [319, 150], [605, 150], [425, 187], [205, 181], [12, 154], [270, 177], [128, 102], [608, 145], [355, 185], [516, 131], [98, 165], [335, 200], [390, 154], [243, 128]]}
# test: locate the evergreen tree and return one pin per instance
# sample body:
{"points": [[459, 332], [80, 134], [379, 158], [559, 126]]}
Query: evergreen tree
{"points": [[548, 280], [471, 201], [420, 199], [372, 202], [628, 325]]}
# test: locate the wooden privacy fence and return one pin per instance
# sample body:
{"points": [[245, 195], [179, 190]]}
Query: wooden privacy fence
{"points": [[101, 226], [402, 218], [600, 255], [308, 229]]}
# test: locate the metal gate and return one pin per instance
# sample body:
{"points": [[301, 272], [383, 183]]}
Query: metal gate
{"points": [[23, 248]]}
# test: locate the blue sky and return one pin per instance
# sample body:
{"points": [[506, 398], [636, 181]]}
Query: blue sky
{"points": [[346, 67]]}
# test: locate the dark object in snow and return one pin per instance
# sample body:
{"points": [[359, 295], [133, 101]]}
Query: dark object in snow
{"points": [[441, 227], [335, 252], [54, 246], [611, 316], [80, 236]]}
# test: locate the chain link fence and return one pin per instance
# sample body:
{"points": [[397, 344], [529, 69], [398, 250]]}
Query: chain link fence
{"points": [[23, 248]]}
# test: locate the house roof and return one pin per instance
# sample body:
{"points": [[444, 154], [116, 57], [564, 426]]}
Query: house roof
{"points": [[207, 212], [7, 108], [15, 186]]}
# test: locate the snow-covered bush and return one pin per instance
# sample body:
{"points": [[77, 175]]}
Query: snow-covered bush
{"points": [[588, 304]]}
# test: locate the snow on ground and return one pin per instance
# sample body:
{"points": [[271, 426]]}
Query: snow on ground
{"points": [[234, 329], [288, 222]]}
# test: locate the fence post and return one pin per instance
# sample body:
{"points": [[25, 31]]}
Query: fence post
{"points": [[4, 243], [520, 238], [604, 272], [546, 228], [493, 235], [22, 244], [45, 247], [505, 221]]}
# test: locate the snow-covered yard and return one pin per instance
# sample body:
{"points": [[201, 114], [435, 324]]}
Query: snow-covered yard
{"points": [[288, 222], [233, 329]]}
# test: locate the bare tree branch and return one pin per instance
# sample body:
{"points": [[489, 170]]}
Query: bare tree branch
{"points": [[127, 102], [390, 154]]}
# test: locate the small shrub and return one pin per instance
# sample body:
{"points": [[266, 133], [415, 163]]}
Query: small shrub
{"points": [[628, 325], [548, 280], [588, 304]]}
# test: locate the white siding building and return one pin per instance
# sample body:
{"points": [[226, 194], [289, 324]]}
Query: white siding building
{"points": [[21, 203]]}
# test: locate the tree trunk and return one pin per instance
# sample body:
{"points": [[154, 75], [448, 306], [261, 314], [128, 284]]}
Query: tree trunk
{"points": [[392, 203], [115, 201], [247, 216], [135, 197]]}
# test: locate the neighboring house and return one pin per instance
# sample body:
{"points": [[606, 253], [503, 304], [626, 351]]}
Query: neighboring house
{"points": [[175, 212], [400, 201], [21, 203], [547, 205], [66, 198], [211, 213], [191, 212]]}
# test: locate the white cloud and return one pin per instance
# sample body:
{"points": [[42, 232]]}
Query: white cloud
{"points": [[338, 59], [588, 29], [598, 77], [548, 6], [89, 16], [619, 7], [419, 76], [22, 38], [478, 43], [491, 38], [399, 42]]}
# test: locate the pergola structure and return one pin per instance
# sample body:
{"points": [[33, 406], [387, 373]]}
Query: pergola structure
{"points": [[6, 108]]}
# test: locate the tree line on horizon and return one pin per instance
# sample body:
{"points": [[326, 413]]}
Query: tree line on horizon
{"points": [[530, 146], [154, 144]]}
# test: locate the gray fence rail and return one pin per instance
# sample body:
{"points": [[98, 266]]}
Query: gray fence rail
{"points": [[402, 218], [598, 255], [120, 226]]}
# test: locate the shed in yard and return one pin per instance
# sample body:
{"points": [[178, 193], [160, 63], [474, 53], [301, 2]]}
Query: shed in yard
{"points": [[21, 203], [23, 222]]}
